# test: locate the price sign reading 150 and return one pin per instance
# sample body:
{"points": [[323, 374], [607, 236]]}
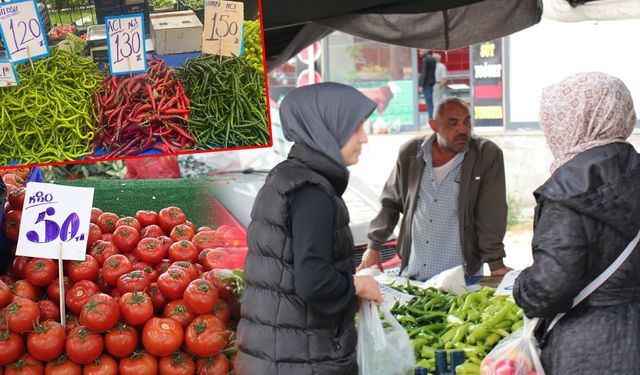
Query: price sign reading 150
{"points": [[22, 30], [126, 44], [223, 28]]}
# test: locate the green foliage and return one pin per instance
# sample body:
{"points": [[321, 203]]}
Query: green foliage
{"points": [[100, 170]]}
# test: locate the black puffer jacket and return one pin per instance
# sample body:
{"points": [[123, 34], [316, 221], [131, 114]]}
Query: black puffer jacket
{"points": [[587, 213], [279, 333]]}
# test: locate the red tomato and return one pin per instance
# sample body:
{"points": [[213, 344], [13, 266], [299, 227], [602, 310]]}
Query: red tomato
{"points": [[218, 365], [162, 336], [107, 222], [100, 313], [11, 347], [115, 293], [24, 289], [191, 270], [134, 280], [53, 290], [83, 270], [166, 242], [158, 300], [200, 296], [49, 310], [102, 284], [147, 218], [62, 366], [206, 336], [151, 231], [130, 221], [79, 295], [178, 363], [151, 273], [170, 217], [182, 232], [16, 198], [136, 307], [178, 311], [95, 214], [95, 234], [190, 225], [125, 238], [505, 367], [13, 179], [173, 283], [183, 250], [114, 267], [21, 314], [41, 272], [19, 266], [26, 365], [205, 240], [138, 363], [46, 341], [204, 229], [106, 237], [163, 266], [101, 250], [5, 294], [121, 341], [104, 365], [222, 310], [21, 172], [217, 258], [83, 346], [224, 281], [11, 226], [150, 250]]}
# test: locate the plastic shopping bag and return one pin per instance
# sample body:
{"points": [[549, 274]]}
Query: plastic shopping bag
{"points": [[382, 350], [516, 354]]}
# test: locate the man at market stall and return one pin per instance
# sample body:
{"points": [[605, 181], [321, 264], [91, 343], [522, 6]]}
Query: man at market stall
{"points": [[450, 188]]}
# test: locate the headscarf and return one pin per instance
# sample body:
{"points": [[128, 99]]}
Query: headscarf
{"points": [[583, 111], [324, 116]]}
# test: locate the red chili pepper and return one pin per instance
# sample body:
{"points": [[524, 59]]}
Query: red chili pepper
{"points": [[150, 93]]}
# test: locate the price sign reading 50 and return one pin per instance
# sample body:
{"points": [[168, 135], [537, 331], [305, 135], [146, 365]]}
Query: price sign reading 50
{"points": [[126, 44], [223, 28], [55, 216], [22, 30]]}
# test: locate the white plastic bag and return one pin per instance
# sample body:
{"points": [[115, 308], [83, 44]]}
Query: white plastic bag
{"points": [[382, 351], [517, 354]]}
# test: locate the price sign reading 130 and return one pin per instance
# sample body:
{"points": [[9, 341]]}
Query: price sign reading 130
{"points": [[223, 28], [22, 32], [126, 44], [55, 217]]}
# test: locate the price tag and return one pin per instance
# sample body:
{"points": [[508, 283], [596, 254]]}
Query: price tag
{"points": [[126, 44], [22, 31], [55, 215], [223, 28], [8, 76], [391, 296]]}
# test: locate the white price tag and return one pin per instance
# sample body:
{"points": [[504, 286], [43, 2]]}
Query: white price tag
{"points": [[223, 28], [126, 44], [22, 31], [55, 215], [506, 285], [8, 75], [391, 296]]}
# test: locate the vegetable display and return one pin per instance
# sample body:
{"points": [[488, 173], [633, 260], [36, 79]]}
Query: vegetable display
{"points": [[253, 44]]}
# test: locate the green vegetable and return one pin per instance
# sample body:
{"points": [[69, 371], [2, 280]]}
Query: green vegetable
{"points": [[253, 45]]}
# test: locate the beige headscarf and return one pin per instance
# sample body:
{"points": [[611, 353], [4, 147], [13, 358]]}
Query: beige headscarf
{"points": [[583, 111]]}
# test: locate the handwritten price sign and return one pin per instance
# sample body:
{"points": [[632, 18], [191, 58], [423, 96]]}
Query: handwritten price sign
{"points": [[223, 28], [8, 76], [22, 31], [55, 215], [126, 44]]}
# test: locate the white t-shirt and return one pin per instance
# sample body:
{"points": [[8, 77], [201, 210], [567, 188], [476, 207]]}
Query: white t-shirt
{"points": [[442, 171]]}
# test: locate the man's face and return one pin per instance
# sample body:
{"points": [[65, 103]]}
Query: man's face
{"points": [[453, 128]]}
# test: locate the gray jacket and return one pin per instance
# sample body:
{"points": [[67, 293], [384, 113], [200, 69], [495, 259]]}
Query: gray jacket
{"points": [[482, 212]]}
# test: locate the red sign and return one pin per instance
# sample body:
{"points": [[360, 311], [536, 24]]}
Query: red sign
{"points": [[303, 78], [313, 50]]}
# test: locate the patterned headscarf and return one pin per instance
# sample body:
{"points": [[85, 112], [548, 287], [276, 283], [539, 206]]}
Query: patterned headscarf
{"points": [[583, 111]]}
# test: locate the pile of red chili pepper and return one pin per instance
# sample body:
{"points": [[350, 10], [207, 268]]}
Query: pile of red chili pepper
{"points": [[142, 112]]}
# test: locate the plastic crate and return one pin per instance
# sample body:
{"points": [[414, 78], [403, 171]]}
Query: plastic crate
{"points": [[44, 15], [142, 8], [109, 11], [199, 12]]}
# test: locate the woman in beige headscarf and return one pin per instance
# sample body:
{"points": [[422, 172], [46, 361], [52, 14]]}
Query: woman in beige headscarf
{"points": [[587, 212]]}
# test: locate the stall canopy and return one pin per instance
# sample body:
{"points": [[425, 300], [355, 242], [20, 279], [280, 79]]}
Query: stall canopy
{"points": [[291, 25]]}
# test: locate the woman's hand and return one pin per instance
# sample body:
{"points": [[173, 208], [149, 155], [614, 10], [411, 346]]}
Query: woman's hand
{"points": [[367, 288]]}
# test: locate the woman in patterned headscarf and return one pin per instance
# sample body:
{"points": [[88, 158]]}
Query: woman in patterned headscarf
{"points": [[587, 212]]}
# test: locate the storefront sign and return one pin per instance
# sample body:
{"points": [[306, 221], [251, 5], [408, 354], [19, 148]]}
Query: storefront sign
{"points": [[8, 76], [22, 31], [126, 44], [487, 81], [223, 28], [55, 221]]}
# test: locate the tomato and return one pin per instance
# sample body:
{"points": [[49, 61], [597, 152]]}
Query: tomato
{"points": [[136, 307], [222, 310], [100, 313], [5, 294], [217, 258], [13, 179], [178, 363], [130, 221], [19, 266], [101, 250], [125, 238], [104, 365], [150, 250], [102, 284], [224, 281], [7, 279], [163, 266], [106, 237], [72, 322], [200, 269], [94, 234], [11, 347], [21, 172], [26, 365], [46, 341], [182, 232], [16, 198], [114, 267], [178, 311], [151, 231], [151, 273], [115, 293], [62, 366], [218, 365], [41, 272], [147, 218], [206, 336], [505, 367], [162, 336], [53, 290], [170, 217], [173, 283], [200, 296], [134, 280], [23, 288], [49, 310], [188, 267], [21, 314], [138, 363], [95, 214], [107, 222], [183, 250], [83, 270], [11, 226], [158, 300], [83, 346], [203, 229], [121, 341], [205, 240], [79, 294]]}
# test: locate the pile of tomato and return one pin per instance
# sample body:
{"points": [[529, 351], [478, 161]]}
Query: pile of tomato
{"points": [[151, 297]]}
